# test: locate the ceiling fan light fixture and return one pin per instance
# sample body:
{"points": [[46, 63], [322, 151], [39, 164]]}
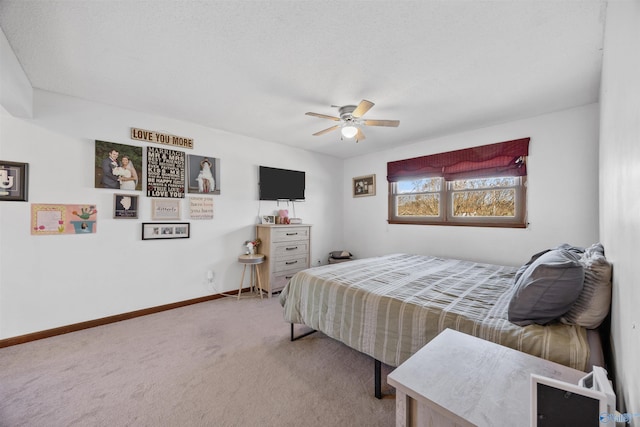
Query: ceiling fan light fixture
{"points": [[349, 130]]}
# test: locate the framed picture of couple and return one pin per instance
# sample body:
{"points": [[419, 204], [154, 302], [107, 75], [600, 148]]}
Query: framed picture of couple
{"points": [[118, 166]]}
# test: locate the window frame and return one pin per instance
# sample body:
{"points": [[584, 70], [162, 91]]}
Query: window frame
{"points": [[446, 207]]}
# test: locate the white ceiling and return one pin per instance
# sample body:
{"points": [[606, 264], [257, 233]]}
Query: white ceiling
{"points": [[255, 67]]}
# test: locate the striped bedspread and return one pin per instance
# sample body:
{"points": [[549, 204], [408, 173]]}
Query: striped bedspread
{"points": [[390, 306]]}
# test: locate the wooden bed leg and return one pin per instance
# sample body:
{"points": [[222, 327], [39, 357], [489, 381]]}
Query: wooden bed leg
{"points": [[378, 378], [300, 336]]}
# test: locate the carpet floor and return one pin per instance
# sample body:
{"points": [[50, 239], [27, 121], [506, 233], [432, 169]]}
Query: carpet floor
{"points": [[217, 363]]}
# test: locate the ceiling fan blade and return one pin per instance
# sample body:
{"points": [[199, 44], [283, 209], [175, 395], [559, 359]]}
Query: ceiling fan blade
{"points": [[391, 123], [360, 135], [322, 132], [362, 108], [324, 116]]}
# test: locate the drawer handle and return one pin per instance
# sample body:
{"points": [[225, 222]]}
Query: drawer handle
{"points": [[291, 262], [291, 249], [292, 234], [288, 277]]}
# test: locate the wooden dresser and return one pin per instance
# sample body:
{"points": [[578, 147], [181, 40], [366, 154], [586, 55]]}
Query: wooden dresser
{"points": [[286, 248]]}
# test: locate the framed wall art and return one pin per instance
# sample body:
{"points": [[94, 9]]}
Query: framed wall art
{"points": [[165, 209], [364, 186], [165, 230], [47, 219], [165, 173], [201, 207], [125, 206], [118, 166], [203, 174], [13, 181]]}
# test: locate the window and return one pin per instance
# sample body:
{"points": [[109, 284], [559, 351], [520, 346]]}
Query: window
{"points": [[480, 186]]}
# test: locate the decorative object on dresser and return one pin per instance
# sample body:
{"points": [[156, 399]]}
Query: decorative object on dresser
{"points": [[286, 248]]}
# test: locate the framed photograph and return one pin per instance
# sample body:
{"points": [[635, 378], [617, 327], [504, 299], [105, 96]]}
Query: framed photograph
{"points": [[125, 206], [364, 186], [13, 181], [165, 230], [203, 174], [118, 166], [165, 209], [268, 219]]}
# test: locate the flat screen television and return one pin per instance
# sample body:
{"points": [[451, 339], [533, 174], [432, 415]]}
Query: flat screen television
{"points": [[281, 184]]}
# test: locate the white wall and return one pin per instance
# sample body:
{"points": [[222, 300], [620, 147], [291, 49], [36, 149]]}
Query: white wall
{"points": [[16, 94], [51, 281], [620, 191], [562, 194]]}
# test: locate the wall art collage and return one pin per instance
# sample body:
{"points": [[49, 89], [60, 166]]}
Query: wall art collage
{"points": [[166, 177]]}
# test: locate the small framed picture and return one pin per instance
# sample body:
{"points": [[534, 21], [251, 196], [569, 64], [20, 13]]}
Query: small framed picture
{"points": [[165, 209], [364, 186], [268, 219], [13, 181], [165, 230], [125, 206]]}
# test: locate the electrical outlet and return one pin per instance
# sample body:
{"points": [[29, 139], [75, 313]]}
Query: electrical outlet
{"points": [[211, 283]]}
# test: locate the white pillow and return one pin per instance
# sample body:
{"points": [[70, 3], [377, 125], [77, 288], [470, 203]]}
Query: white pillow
{"points": [[594, 302]]}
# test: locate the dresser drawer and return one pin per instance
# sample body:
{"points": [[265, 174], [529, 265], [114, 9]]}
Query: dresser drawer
{"points": [[290, 249], [289, 234], [294, 263], [280, 280]]}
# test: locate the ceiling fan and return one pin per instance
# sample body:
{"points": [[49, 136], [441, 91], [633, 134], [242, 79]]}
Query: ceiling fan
{"points": [[352, 121]]}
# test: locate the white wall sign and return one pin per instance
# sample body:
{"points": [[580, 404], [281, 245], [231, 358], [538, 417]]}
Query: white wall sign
{"points": [[201, 207]]}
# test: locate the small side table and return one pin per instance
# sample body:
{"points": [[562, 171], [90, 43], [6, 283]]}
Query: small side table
{"points": [[460, 380], [253, 261]]}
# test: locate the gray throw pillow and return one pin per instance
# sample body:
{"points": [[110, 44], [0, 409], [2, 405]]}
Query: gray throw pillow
{"points": [[547, 288], [594, 302]]}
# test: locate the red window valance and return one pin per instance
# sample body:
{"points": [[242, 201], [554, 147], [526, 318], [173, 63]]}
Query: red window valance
{"points": [[501, 159]]}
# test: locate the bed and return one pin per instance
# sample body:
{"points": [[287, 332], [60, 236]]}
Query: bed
{"points": [[389, 307]]}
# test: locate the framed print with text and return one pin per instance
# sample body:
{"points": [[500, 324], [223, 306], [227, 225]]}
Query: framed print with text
{"points": [[165, 209]]}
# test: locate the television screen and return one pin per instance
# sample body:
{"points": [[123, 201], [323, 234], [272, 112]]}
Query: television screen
{"points": [[281, 184]]}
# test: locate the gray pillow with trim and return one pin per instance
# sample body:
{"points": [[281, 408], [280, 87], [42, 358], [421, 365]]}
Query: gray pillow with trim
{"points": [[594, 302], [547, 288]]}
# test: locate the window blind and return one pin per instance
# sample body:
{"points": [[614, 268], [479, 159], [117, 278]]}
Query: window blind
{"points": [[500, 159]]}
